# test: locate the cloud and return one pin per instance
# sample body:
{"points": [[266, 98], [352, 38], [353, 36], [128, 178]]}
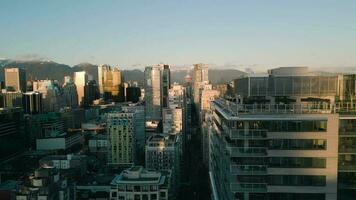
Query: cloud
{"points": [[31, 57]]}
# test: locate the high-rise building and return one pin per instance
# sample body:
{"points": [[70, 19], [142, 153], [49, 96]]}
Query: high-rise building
{"points": [[102, 69], [133, 94], [111, 83], [164, 152], [172, 120], [80, 79], [153, 93], [120, 130], [32, 103], [10, 99], [200, 76], [15, 79], [70, 95], [139, 131], [166, 85], [207, 96], [51, 94], [91, 92], [288, 135], [139, 183], [176, 96]]}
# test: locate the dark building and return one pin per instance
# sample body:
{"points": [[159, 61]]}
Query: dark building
{"points": [[91, 92], [166, 85], [10, 99], [133, 94], [12, 138], [32, 103]]}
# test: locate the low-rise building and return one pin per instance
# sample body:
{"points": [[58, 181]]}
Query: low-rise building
{"points": [[140, 184], [44, 184]]}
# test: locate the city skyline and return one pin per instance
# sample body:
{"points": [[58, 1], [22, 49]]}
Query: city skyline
{"points": [[264, 35]]}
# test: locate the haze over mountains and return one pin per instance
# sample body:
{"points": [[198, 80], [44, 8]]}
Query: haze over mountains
{"points": [[38, 69]]}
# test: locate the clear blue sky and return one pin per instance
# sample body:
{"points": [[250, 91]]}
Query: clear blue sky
{"points": [[263, 33]]}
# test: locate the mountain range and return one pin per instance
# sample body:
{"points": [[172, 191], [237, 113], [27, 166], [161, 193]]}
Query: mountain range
{"points": [[38, 69]]}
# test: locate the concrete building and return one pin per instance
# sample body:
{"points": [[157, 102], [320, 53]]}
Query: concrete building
{"points": [[15, 79], [120, 130], [141, 184]]}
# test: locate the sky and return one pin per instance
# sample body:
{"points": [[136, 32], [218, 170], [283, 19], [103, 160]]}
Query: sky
{"points": [[260, 34]]}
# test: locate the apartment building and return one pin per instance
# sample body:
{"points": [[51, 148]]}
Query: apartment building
{"points": [[288, 135]]}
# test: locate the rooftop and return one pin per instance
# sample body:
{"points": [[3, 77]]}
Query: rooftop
{"points": [[140, 175]]}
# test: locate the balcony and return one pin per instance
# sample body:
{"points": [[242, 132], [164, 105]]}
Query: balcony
{"points": [[246, 151], [347, 167], [248, 169], [249, 187], [348, 149], [249, 134]]}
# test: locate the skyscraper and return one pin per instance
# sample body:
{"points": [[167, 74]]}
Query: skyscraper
{"points": [[51, 94], [80, 79], [200, 76], [153, 93], [32, 103], [91, 92], [111, 83], [70, 94], [166, 85], [15, 79]]}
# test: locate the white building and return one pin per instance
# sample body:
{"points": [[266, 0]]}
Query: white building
{"points": [[140, 184], [80, 79], [172, 120]]}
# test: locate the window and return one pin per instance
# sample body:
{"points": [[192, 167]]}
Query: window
{"points": [[297, 180], [297, 144]]}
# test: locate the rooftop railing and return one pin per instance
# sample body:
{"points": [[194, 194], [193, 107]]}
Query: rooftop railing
{"points": [[302, 108], [248, 187], [248, 169], [248, 134]]}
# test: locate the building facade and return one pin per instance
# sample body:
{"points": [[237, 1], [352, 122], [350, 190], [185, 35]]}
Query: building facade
{"points": [[120, 130], [15, 79]]}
